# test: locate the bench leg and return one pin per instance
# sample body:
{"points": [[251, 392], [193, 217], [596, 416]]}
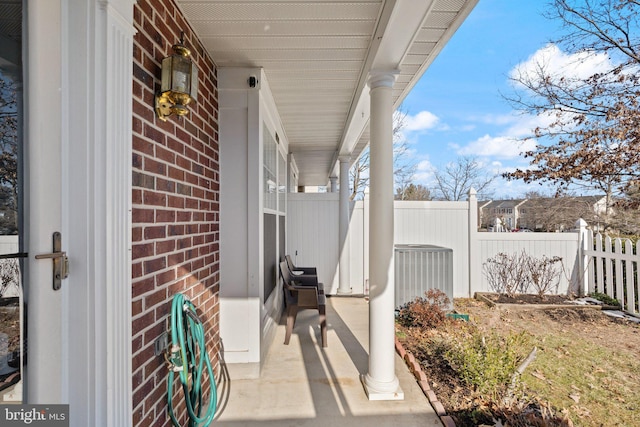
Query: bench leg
{"points": [[323, 324], [292, 312]]}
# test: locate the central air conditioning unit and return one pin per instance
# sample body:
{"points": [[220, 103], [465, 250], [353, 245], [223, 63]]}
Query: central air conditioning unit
{"points": [[419, 268]]}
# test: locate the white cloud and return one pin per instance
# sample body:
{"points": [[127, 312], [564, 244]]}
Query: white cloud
{"points": [[526, 124], [422, 121], [495, 119], [505, 147], [555, 62], [424, 173], [424, 165]]}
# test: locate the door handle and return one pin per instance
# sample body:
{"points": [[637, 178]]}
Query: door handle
{"points": [[60, 261], [53, 255]]}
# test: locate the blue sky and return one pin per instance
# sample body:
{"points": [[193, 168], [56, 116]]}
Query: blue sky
{"points": [[457, 107]]}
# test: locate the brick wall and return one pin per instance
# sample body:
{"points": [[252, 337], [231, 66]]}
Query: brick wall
{"points": [[175, 205]]}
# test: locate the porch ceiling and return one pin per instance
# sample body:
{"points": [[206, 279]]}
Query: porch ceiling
{"points": [[317, 54]]}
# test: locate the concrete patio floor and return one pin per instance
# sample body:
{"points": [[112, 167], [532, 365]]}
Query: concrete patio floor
{"points": [[303, 384]]}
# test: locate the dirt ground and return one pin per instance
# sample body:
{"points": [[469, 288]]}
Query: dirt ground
{"points": [[589, 329], [589, 323]]}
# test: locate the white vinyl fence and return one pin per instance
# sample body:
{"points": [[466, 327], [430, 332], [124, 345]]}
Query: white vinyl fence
{"points": [[312, 239], [612, 266], [590, 263]]}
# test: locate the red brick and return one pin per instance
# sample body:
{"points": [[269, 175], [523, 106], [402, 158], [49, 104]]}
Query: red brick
{"points": [[437, 406], [175, 259], [175, 202], [136, 269], [142, 286], [136, 197], [155, 232], [136, 234], [155, 199], [142, 250], [165, 185], [447, 421], [155, 298], [165, 216], [154, 265], [154, 166], [143, 390], [136, 308], [142, 322], [165, 246]]}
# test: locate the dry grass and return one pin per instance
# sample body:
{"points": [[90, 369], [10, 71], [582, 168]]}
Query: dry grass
{"points": [[586, 371]]}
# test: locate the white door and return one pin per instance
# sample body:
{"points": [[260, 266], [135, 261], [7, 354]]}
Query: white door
{"points": [[77, 168], [43, 137], [30, 196]]}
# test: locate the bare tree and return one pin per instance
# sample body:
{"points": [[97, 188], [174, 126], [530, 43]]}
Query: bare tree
{"points": [[593, 138], [454, 181], [404, 167], [413, 192], [359, 175], [8, 156]]}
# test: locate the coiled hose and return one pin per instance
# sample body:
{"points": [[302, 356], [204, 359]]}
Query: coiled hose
{"points": [[188, 357]]}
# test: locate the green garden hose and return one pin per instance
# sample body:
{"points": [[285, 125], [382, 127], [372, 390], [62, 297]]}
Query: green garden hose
{"points": [[188, 356]]}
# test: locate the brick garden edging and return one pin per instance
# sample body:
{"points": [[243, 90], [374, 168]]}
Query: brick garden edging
{"points": [[421, 378]]}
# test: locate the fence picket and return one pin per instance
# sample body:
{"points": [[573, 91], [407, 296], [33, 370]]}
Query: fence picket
{"points": [[608, 268], [591, 262], [631, 281], [618, 275], [598, 267]]}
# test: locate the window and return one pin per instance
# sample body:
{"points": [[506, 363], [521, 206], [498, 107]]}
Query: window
{"points": [[270, 165]]}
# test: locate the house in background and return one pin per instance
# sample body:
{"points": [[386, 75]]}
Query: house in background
{"points": [[507, 213], [288, 96], [561, 213], [543, 214]]}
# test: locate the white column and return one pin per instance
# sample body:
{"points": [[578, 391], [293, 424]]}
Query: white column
{"points": [[381, 382], [344, 288], [334, 184]]}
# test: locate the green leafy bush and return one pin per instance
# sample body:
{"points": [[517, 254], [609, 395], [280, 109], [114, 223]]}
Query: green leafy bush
{"points": [[487, 363], [425, 312], [605, 298]]}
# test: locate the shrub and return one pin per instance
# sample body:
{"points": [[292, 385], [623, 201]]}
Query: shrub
{"points": [[425, 312], [517, 273], [544, 273], [487, 363], [507, 274], [605, 298]]}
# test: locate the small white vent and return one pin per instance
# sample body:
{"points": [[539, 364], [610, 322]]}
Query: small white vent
{"points": [[419, 268]]}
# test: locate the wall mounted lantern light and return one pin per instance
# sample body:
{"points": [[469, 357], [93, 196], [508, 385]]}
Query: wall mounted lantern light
{"points": [[179, 82]]}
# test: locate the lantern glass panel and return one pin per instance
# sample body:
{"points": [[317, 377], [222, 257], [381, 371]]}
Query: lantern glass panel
{"points": [[165, 84], [181, 71]]}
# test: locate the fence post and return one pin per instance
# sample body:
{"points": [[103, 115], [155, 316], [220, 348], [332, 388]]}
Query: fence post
{"points": [[583, 258], [473, 240]]}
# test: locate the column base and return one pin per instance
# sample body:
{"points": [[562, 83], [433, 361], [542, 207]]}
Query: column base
{"points": [[344, 292], [381, 391]]}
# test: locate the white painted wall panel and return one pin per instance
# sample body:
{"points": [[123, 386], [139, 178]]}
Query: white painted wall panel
{"points": [[356, 247], [312, 234]]}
